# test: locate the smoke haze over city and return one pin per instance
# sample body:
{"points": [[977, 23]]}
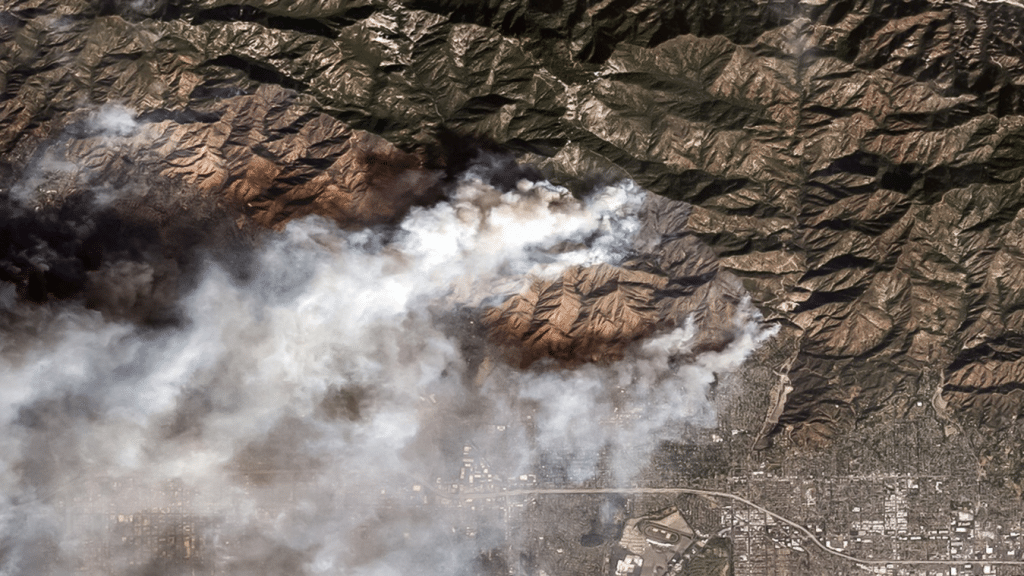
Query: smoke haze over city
{"points": [[286, 390]]}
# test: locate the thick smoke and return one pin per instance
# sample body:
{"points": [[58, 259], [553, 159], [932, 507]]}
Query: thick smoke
{"points": [[287, 415], [659, 389], [121, 242]]}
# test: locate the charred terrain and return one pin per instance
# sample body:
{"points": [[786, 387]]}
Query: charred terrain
{"points": [[534, 274]]}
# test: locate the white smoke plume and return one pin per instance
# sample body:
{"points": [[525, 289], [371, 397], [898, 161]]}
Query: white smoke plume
{"points": [[293, 412], [113, 120], [108, 127]]}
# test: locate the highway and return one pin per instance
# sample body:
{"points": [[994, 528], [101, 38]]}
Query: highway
{"points": [[710, 493]]}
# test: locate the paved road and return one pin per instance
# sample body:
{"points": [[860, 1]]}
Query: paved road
{"points": [[810, 536]]}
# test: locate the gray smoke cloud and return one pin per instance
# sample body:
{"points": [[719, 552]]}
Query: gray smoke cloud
{"points": [[288, 417]]}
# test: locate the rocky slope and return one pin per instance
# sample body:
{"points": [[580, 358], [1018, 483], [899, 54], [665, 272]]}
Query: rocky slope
{"points": [[857, 164]]}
